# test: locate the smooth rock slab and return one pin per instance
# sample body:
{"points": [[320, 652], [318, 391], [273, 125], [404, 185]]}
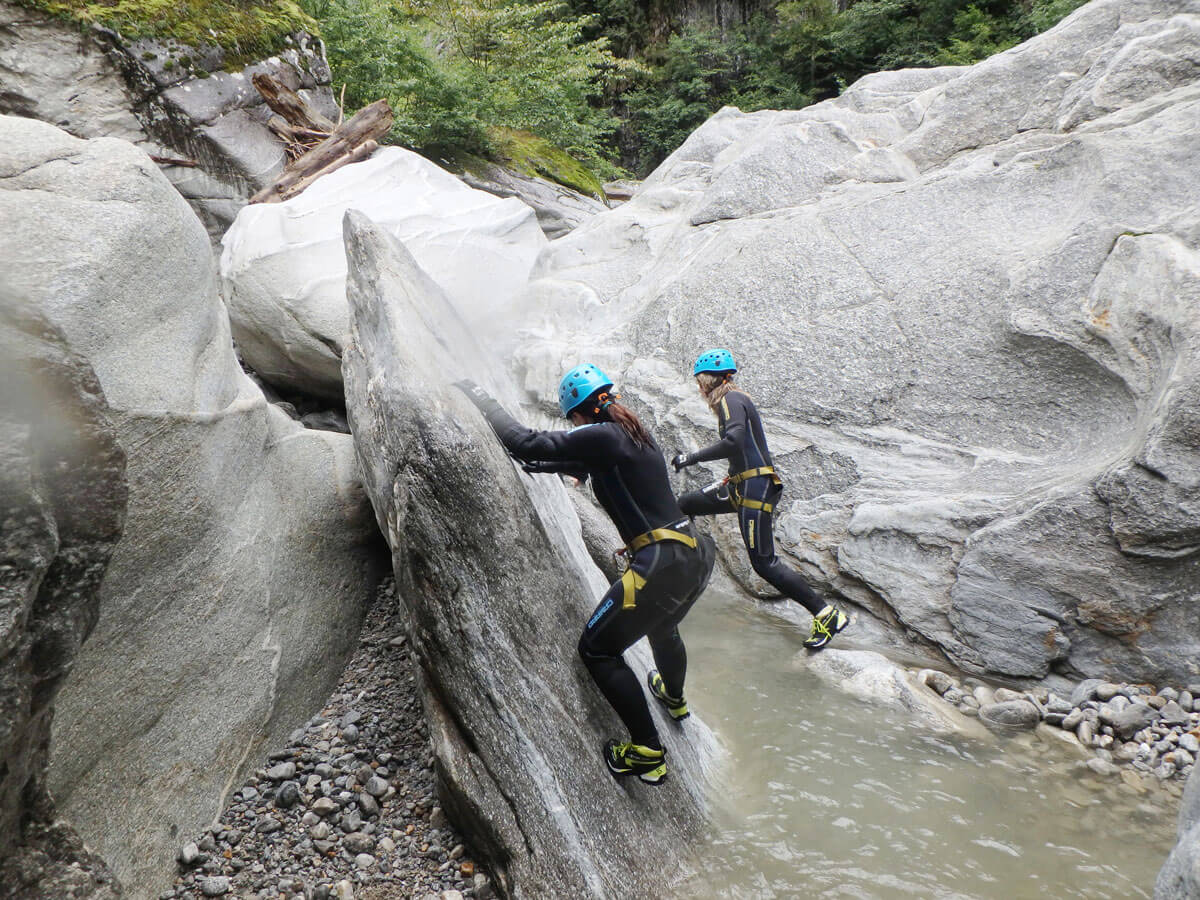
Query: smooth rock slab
{"points": [[516, 723], [248, 552], [874, 678]]}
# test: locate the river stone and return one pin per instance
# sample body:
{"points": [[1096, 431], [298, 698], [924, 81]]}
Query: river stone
{"points": [[1173, 714], [939, 681], [283, 266], [1106, 691], [515, 721], [1132, 719], [997, 466], [248, 555], [63, 497], [1086, 732], [874, 678], [1072, 720], [1009, 716]]}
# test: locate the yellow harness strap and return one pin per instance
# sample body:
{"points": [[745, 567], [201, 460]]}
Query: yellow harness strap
{"points": [[631, 582], [752, 473], [755, 504], [660, 534]]}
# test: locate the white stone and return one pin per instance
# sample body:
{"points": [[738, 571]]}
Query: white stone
{"points": [[283, 267]]}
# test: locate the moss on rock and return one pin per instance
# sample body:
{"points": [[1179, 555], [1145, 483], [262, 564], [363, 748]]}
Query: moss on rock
{"points": [[531, 155], [245, 29]]}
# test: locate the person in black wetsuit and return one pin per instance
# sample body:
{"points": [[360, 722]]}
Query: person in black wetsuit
{"points": [[668, 565], [752, 489]]}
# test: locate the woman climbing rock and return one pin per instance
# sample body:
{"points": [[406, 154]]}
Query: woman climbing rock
{"points": [[752, 489], [668, 566]]}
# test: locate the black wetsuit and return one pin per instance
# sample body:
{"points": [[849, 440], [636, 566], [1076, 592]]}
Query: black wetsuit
{"points": [[664, 578], [754, 499]]}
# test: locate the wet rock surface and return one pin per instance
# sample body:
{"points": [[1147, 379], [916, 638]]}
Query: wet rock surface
{"points": [[63, 497], [348, 807], [1179, 878]]}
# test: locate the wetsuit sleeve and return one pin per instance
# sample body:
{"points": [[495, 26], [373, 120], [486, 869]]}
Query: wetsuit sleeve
{"points": [[579, 446], [732, 420]]}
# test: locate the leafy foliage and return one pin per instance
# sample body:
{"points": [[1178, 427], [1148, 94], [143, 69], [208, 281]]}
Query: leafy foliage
{"points": [[456, 70]]}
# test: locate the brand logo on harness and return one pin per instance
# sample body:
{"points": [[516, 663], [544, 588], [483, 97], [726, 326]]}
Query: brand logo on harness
{"points": [[600, 612]]}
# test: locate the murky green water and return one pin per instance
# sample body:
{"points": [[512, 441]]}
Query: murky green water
{"points": [[833, 797]]}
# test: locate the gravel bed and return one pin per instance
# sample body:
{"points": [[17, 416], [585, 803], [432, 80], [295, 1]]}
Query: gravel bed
{"points": [[348, 809], [1136, 732]]}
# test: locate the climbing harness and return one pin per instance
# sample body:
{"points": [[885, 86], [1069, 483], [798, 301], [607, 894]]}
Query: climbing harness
{"points": [[633, 581]]}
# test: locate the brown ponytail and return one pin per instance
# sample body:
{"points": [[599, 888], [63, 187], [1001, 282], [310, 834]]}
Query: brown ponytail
{"points": [[626, 418]]}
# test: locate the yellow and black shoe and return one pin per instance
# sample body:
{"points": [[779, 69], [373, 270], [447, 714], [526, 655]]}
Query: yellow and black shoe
{"points": [[646, 763], [678, 708], [825, 625]]}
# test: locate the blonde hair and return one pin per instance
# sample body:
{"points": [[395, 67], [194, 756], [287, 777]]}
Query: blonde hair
{"points": [[715, 387]]}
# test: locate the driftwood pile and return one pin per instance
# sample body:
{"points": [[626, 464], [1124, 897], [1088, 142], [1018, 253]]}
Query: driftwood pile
{"points": [[315, 145]]}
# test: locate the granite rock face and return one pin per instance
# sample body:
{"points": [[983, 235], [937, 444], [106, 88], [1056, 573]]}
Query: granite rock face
{"points": [[1179, 878], [173, 101], [498, 585], [966, 302], [237, 588], [284, 266], [62, 501]]}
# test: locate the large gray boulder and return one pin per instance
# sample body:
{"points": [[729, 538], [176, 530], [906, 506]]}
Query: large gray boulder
{"points": [[283, 265], [172, 100], [1179, 878], [237, 588], [497, 585], [559, 209], [967, 301], [62, 501]]}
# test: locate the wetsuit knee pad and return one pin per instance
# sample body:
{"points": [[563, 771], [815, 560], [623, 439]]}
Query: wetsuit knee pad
{"points": [[590, 655], [763, 565]]}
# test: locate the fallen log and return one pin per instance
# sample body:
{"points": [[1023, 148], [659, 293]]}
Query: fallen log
{"points": [[345, 144], [287, 103]]}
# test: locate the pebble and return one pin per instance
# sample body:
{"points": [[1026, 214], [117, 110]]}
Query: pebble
{"points": [[357, 842], [1106, 691], [337, 839], [282, 772], [288, 795], [323, 806], [189, 855], [1190, 743], [214, 887]]}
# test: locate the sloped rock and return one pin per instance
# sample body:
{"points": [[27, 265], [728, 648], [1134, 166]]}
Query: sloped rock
{"points": [[62, 501], [284, 266], [559, 209], [498, 585], [1001, 346], [248, 554], [1179, 878], [874, 678]]}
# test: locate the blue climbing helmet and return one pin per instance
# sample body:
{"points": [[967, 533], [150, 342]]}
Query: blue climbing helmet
{"points": [[716, 362], [579, 384]]}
